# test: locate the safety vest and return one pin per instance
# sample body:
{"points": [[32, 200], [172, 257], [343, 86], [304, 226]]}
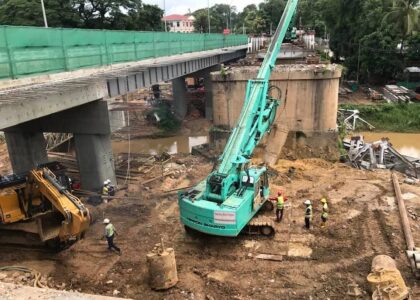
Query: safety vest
{"points": [[324, 211], [280, 202], [105, 190], [109, 230], [308, 212]]}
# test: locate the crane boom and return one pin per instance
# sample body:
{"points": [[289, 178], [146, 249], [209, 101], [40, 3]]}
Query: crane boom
{"points": [[251, 128], [233, 193]]}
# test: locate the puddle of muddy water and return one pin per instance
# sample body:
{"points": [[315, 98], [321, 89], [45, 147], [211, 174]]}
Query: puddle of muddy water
{"points": [[406, 143], [171, 145]]}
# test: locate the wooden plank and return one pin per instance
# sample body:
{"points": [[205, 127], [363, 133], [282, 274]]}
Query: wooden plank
{"points": [[272, 257]]}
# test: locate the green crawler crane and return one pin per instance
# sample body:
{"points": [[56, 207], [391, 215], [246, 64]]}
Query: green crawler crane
{"points": [[228, 199]]}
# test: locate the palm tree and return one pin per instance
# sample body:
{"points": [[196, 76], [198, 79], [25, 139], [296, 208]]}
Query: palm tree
{"points": [[406, 14]]}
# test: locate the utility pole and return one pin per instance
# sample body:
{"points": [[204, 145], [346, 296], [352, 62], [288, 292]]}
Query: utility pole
{"points": [[230, 18], [208, 12], [164, 15], [358, 64], [243, 28], [44, 14]]}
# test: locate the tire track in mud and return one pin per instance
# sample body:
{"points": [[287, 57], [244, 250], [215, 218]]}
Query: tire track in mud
{"points": [[375, 237]]}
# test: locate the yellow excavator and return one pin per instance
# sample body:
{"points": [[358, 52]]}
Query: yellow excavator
{"points": [[36, 209]]}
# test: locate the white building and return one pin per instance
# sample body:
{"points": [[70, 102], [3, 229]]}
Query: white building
{"points": [[179, 23]]}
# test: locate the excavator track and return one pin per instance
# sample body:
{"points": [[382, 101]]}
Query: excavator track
{"points": [[261, 226]]}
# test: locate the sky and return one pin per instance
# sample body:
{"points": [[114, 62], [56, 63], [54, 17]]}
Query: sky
{"points": [[182, 6]]}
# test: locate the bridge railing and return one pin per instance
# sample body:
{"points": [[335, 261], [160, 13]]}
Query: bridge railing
{"points": [[27, 51]]}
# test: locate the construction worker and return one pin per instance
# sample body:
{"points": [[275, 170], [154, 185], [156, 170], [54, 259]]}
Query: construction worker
{"points": [[105, 188], [280, 200], [324, 214], [308, 213], [110, 232]]}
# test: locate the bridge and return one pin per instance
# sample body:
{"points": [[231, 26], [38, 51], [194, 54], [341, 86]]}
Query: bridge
{"points": [[59, 80]]}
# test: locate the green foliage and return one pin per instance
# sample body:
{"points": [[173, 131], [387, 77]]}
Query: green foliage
{"points": [[168, 123], [29, 12], [367, 34], [390, 117], [97, 14], [221, 16]]}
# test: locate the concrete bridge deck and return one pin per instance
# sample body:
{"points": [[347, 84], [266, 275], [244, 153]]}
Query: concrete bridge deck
{"points": [[25, 99], [72, 102]]}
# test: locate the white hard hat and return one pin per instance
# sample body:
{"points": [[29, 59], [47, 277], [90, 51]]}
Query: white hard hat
{"points": [[307, 202], [105, 182], [107, 221]]}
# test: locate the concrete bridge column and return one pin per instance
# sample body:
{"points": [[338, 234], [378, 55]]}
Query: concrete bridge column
{"points": [[90, 126], [180, 97], [95, 159], [209, 95], [26, 149]]}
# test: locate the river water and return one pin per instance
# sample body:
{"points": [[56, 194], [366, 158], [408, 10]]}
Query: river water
{"points": [[171, 145], [406, 143]]}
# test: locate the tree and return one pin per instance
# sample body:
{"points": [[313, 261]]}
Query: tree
{"points": [[201, 20], [60, 13], [221, 16], [271, 11], [99, 13], [405, 15]]}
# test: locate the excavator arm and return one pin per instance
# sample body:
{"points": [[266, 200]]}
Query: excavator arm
{"points": [[76, 215], [40, 205]]}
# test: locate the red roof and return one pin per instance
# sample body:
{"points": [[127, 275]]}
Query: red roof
{"points": [[175, 18]]}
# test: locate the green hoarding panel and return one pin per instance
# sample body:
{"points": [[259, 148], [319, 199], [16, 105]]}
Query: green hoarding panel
{"points": [[27, 51]]}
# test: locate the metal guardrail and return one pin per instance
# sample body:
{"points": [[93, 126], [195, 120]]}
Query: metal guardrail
{"points": [[27, 51]]}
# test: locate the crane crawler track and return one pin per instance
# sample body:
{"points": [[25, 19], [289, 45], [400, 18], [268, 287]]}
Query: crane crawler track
{"points": [[261, 226]]}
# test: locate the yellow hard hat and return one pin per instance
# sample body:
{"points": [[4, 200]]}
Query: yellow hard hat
{"points": [[323, 200]]}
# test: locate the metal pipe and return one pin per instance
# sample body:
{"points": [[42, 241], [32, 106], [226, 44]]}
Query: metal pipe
{"points": [[403, 213], [44, 14]]}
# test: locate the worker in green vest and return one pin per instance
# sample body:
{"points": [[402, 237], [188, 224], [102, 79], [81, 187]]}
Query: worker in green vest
{"points": [[279, 201], [308, 213], [110, 233], [324, 214]]}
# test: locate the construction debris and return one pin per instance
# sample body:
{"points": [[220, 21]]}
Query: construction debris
{"points": [[374, 95], [397, 94], [379, 155], [350, 118]]}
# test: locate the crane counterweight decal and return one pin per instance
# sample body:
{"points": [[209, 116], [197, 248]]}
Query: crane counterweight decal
{"points": [[222, 217]]}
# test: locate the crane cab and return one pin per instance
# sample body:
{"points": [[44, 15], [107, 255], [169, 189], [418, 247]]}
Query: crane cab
{"points": [[227, 218]]}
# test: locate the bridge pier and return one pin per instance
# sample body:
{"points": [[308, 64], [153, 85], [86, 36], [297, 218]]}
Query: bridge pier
{"points": [[90, 126], [179, 92], [95, 159], [26, 149], [180, 97]]}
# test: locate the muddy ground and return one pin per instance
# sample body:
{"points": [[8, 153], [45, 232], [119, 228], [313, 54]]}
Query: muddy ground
{"points": [[317, 264]]}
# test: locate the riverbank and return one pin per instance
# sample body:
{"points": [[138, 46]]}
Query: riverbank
{"points": [[390, 117]]}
